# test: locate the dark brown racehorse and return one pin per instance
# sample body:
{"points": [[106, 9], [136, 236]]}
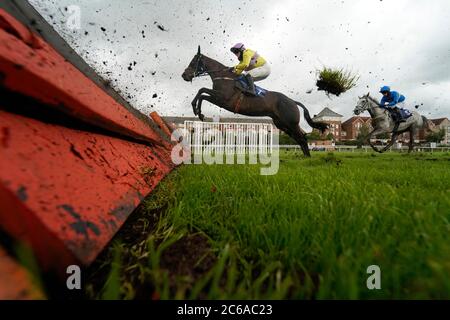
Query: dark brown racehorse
{"points": [[283, 110]]}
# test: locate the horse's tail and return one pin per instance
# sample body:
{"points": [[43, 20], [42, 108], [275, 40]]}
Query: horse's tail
{"points": [[316, 125]]}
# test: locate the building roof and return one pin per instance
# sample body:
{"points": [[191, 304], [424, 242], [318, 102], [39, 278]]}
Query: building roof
{"points": [[327, 112], [438, 121], [181, 120], [354, 118]]}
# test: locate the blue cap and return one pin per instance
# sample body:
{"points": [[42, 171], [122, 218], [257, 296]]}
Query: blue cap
{"points": [[385, 89]]}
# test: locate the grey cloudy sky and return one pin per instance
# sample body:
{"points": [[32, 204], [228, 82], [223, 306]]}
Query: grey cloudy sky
{"points": [[401, 43]]}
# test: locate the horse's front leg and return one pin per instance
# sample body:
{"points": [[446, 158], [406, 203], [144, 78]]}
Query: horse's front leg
{"points": [[213, 99], [370, 135], [389, 144], [411, 140], [393, 139], [197, 96]]}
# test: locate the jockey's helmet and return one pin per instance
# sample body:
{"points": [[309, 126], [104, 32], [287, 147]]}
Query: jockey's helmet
{"points": [[237, 48], [385, 89]]}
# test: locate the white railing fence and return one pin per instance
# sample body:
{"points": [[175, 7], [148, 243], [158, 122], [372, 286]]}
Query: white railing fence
{"points": [[364, 148], [228, 138]]}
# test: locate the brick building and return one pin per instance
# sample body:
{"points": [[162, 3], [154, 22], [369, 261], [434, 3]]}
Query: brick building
{"points": [[352, 127], [443, 124], [334, 121]]}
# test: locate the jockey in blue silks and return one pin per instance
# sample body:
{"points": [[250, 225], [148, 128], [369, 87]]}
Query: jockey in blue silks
{"points": [[394, 103]]}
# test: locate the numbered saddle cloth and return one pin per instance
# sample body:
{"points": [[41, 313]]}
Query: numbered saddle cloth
{"points": [[405, 113], [242, 84]]}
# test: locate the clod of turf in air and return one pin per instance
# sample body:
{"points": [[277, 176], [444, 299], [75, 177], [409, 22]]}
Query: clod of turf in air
{"points": [[335, 81], [160, 26]]}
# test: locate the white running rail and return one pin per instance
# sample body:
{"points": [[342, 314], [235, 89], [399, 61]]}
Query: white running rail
{"points": [[228, 138]]}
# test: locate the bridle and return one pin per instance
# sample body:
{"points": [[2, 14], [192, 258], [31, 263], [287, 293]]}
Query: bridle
{"points": [[365, 105], [200, 68]]}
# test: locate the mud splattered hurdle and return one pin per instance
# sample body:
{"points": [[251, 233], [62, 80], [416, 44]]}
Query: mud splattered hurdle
{"points": [[74, 162]]}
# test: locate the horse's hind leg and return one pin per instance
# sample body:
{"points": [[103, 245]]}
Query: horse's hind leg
{"points": [[390, 144], [299, 137], [287, 119]]}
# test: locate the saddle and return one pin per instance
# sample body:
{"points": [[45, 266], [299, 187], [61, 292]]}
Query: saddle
{"points": [[242, 84], [400, 114]]}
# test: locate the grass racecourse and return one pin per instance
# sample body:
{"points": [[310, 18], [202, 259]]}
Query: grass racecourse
{"points": [[308, 232]]}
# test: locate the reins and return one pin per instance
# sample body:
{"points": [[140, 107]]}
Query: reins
{"points": [[204, 73], [207, 72]]}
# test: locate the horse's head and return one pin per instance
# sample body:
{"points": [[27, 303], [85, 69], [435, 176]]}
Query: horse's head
{"points": [[363, 104], [196, 67]]}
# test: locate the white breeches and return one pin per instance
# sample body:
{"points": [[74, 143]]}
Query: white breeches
{"points": [[260, 73]]}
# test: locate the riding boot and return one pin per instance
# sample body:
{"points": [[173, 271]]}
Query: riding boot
{"points": [[251, 84], [397, 115]]}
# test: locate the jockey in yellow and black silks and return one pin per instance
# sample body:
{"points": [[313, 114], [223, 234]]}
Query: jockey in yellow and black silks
{"points": [[252, 65]]}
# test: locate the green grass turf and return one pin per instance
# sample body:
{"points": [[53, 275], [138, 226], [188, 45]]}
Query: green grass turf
{"points": [[311, 230]]}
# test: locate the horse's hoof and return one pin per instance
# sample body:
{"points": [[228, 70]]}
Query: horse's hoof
{"points": [[201, 117]]}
